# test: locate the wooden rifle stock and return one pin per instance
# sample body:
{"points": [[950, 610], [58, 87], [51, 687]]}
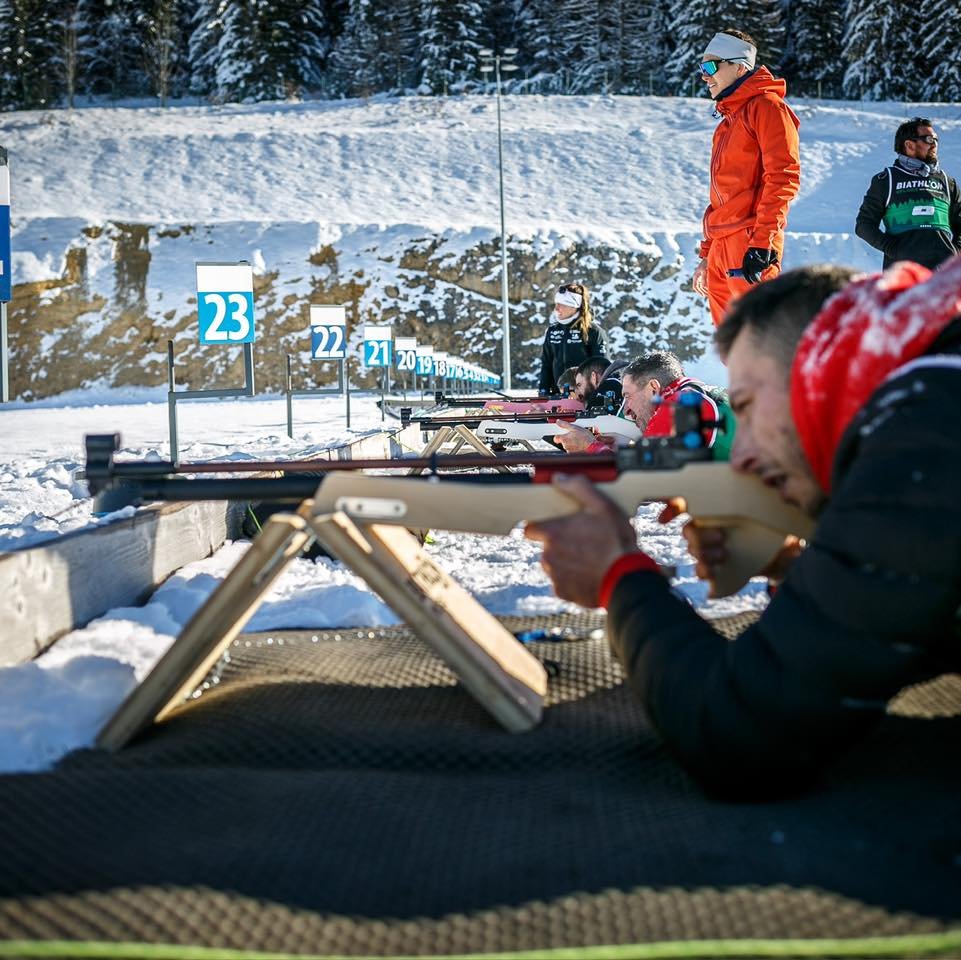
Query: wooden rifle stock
{"points": [[756, 519]]}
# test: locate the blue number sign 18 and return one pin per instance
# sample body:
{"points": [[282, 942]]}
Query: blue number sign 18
{"points": [[225, 302]]}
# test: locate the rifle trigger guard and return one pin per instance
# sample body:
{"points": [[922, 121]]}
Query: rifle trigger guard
{"points": [[371, 508]]}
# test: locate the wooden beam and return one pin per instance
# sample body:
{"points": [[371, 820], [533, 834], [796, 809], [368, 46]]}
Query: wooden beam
{"points": [[59, 585], [62, 584]]}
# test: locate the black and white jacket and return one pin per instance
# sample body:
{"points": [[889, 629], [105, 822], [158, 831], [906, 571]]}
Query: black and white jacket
{"points": [[563, 348]]}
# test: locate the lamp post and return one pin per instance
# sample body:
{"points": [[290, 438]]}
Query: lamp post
{"points": [[6, 284], [496, 63]]}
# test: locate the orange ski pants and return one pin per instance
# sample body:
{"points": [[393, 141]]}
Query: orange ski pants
{"points": [[725, 254]]}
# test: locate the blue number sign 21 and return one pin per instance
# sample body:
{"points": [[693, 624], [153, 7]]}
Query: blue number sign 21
{"points": [[377, 353]]}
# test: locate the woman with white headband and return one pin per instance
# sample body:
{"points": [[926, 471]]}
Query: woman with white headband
{"points": [[572, 336]]}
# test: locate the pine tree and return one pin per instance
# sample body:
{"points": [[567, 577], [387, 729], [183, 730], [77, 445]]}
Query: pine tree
{"points": [[542, 28], [32, 54], [944, 76], [647, 49], [8, 67], [265, 49], [812, 59], [294, 46], [162, 26], [206, 29], [114, 58], [583, 44], [449, 44], [237, 76], [877, 32], [397, 22], [694, 23], [70, 26], [354, 67]]}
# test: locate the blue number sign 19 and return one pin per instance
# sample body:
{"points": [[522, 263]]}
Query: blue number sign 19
{"points": [[377, 346], [328, 332], [405, 352], [425, 360], [225, 302]]}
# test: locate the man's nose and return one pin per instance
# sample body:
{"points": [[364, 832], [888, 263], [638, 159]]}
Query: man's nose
{"points": [[743, 456]]}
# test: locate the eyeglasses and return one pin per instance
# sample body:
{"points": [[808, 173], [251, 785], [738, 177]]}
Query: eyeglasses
{"points": [[710, 67], [927, 138]]}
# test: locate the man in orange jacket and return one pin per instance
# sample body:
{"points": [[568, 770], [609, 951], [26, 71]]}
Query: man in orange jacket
{"points": [[755, 172]]}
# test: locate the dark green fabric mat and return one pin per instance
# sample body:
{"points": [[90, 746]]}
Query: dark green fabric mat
{"points": [[336, 793]]}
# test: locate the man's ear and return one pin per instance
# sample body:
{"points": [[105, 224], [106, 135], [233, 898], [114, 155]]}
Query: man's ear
{"points": [[655, 385]]}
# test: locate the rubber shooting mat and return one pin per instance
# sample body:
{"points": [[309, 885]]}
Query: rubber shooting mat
{"points": [[336, 793]]}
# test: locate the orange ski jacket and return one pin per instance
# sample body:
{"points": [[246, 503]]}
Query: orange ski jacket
{"points": [[755, 163]]}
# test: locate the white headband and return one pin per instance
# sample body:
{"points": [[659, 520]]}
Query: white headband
{"points": [[723, 46], [567, 298]]}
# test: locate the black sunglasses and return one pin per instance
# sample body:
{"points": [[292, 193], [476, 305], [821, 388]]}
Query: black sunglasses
{"points": [[570, 288], [927, 138]]}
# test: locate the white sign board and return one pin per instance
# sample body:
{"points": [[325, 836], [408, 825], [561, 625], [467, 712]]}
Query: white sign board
{"points": [[377, 345], [225, 302]]}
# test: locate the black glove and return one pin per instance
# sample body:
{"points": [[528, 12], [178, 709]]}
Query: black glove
{"points": [[756, 261]]}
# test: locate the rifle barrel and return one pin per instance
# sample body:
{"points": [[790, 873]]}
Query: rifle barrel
{"points": [[158, 469]]}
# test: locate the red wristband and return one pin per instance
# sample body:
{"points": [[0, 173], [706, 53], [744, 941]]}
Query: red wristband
{"points": [[598, 447], [624, 564]]}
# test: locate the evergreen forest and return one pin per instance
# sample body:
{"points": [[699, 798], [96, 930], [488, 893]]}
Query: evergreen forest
{"points": [[59, 53]]}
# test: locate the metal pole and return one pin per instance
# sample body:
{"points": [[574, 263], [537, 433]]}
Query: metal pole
{"points": [[290, 403], [4, 367], [347, 388], [6, 278], [248, 369], [505, 316], [172, 402]]}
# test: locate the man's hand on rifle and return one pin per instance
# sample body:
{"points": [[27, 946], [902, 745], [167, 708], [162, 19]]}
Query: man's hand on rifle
{"points": [[580, 548], [708, 546], [577, 439]]}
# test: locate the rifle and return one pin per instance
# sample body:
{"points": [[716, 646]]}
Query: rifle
{"points": [[473, 420], [358, 518], [650, 469], [498, 430]]}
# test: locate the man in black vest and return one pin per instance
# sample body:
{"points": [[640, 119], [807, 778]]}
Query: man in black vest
{"points": [[918, 202]]}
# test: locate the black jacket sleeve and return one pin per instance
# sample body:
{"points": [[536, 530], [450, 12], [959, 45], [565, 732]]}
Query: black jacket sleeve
{"points": [[954, 213], [597, 346], [547, 385], [868, 225], [867, 609]]}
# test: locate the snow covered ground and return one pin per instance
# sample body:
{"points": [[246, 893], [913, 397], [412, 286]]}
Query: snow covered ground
{"points": [[601, 165]]}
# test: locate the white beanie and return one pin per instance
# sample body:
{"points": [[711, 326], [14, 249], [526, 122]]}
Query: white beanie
{"points": [[567, 298], [724, 46]]}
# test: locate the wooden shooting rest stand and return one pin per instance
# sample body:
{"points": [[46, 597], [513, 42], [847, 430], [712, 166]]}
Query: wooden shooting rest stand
{"points": [[491, 664]]}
